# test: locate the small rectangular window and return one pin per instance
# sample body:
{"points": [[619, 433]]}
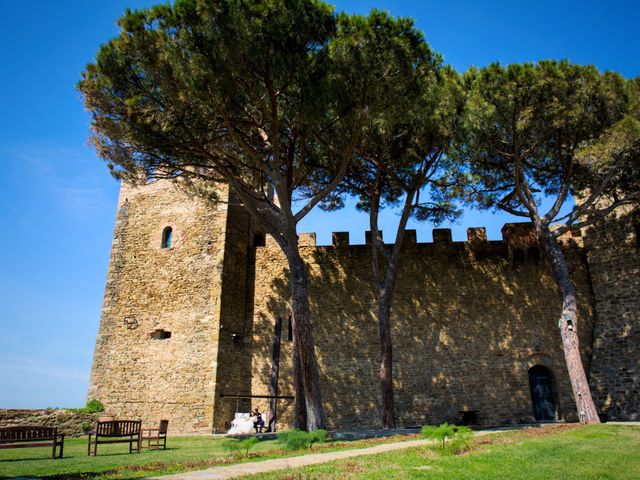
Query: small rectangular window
{"points": [[160, 334]]}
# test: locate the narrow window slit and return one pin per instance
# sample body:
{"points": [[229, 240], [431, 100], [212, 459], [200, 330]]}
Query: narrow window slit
{"points": [[167, 237], [518, 258]]}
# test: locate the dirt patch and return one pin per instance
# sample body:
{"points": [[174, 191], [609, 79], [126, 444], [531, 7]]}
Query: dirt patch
{"points": [[369, 442], [294, 476], [352, 467], [428, 453], [514, 436]]}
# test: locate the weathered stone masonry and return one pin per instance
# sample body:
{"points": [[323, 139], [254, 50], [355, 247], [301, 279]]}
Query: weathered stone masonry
{"points": [[68, 422], [469, 320], [183, 290], [614, 264]]}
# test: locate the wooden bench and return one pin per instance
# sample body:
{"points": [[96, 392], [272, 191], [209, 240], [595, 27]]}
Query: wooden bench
{"points": [[115, 431], [155, 436], [32, 436]]}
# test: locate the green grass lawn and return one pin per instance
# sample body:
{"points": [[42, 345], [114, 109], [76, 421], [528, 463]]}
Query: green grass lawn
{"points": [[561, 452], [115, 461], [582, 453]]}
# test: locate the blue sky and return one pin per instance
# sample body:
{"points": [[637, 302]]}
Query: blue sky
{"points": [[58, 201]]}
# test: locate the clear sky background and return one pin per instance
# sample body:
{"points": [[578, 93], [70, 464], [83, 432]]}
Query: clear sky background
{"points": [[57, 201]]}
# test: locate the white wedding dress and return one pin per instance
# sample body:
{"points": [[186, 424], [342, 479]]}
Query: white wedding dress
{"points": [[242, 424]]}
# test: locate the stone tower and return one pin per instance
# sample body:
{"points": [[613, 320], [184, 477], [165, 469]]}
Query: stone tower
{"points": [[174, 316]]}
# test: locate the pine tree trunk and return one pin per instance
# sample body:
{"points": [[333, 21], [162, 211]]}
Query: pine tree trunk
{"points": [[386, 285], [385, 292], [300, 406], [386, 365], [569, 326], [275, 374], [303, 341]]}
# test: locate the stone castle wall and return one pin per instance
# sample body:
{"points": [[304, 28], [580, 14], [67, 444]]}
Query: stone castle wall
{"points": [[234, 344], [67, 421], [614, 263], [468, 321]]}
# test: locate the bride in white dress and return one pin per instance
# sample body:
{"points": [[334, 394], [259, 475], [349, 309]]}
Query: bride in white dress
{"points": [[242, 424]]}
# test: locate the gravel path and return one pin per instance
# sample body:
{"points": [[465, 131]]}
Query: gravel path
{"points": [[252, 468]]}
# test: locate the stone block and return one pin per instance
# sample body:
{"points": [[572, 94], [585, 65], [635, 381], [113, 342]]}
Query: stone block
{"points": [[340, 239], [442, 235]]}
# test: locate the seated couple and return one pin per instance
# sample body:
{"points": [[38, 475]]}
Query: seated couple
{"points": [[258, 421]]}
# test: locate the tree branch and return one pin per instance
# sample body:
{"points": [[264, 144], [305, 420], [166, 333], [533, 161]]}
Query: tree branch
{"points": [[593, 197], [346, 158], [560, 199], [599, 215]]}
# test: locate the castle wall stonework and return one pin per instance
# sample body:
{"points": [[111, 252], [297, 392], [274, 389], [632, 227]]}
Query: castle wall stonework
{"points": [[234, 342], [187, 331], [152, 289], [468, 321], [67, 421], [614, 263]]}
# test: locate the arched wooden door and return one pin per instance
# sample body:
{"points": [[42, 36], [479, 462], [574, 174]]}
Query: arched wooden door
{"points": [[543, 396]]}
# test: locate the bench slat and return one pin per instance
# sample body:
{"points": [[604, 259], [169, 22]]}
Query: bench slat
{"points": [[27, 445], [123, 440], [25, 440], [27, 432], [116, 428]]}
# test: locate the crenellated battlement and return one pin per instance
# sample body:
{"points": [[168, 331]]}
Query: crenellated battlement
{"points": [[468, 320], [515, 236]]}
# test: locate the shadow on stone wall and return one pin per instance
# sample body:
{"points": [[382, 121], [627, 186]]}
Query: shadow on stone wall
{"points": [[613, 251], [465, 324]]}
